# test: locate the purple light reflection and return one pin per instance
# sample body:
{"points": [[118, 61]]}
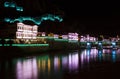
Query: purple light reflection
{"points": [[65, 62], [56, 63], [118, 51], [27, 69], [85, 56], [70, 62], [94, 53], [88, 55], [73, 62], [19, 70], [106, 51]]}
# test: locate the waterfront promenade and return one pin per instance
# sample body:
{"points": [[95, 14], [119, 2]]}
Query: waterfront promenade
{"points": [[60, 44]]}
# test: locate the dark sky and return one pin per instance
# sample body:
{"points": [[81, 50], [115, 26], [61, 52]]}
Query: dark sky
{"points": [[100, 17]]}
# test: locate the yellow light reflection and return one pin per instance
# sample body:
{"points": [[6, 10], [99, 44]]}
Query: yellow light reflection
{"points": [[49, 65], [39, 65], [43, 65]]}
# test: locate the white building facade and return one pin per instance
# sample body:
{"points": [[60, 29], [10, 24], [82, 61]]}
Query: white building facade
{"points": [[26, 31]]}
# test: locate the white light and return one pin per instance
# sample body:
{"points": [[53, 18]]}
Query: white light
{"points": [[100, 43], [88, 44], [26, 31], [56, 36], [43, 33], [73, 36], [64, 36], [113, 43]]}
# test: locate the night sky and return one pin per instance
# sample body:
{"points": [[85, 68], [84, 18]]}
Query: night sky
{"points": [[94, 17]]}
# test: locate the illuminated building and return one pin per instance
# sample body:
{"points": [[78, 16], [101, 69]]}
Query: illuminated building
{"points": [[87, 39], [64, 36], [56, 36], [26, 31], [43, 34], [50, 35], [82, 39], [73, 36]]}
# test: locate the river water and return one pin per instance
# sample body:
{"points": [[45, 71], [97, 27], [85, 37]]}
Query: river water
{"points": [[77, 64]]}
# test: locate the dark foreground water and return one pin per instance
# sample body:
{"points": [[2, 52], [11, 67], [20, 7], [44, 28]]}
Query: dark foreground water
{"points": [[84, 64]]}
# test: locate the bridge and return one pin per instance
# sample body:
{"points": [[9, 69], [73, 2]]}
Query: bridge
{"points": [[101, 44]]}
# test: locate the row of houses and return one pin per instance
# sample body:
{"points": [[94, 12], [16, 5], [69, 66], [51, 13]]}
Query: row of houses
{"points": [[24, 32]]}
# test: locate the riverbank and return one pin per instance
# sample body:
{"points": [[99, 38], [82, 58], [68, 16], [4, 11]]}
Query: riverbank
{"points": [[51, 45]]}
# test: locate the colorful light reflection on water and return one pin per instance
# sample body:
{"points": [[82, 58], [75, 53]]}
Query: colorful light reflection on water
{"points": [[55, 66]]}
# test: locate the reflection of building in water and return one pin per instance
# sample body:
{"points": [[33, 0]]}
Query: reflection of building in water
{"points": [[73, 61], [56, 63], [27, 69], [93, 54], [48, 66], [107, 54], [118, 50], [100, 55], [87, 55], [44, 64], [65, 62], [106, 50], [114, 55]]}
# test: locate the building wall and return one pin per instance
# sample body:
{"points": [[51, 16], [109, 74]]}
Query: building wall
{"points": [[26, 31]]}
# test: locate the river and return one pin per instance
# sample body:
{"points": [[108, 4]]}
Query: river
{"points": [[77, 64]]}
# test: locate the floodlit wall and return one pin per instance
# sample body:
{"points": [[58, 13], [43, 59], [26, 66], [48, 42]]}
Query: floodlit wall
{"points": [[73, 36], [26, 31]]}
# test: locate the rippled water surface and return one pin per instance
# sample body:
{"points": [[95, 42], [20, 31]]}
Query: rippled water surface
{"points": [[78, 64]]}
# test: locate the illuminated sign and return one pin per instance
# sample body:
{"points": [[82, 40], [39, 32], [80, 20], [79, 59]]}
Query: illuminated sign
{"points": [[13, 5], [37, 20]]}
